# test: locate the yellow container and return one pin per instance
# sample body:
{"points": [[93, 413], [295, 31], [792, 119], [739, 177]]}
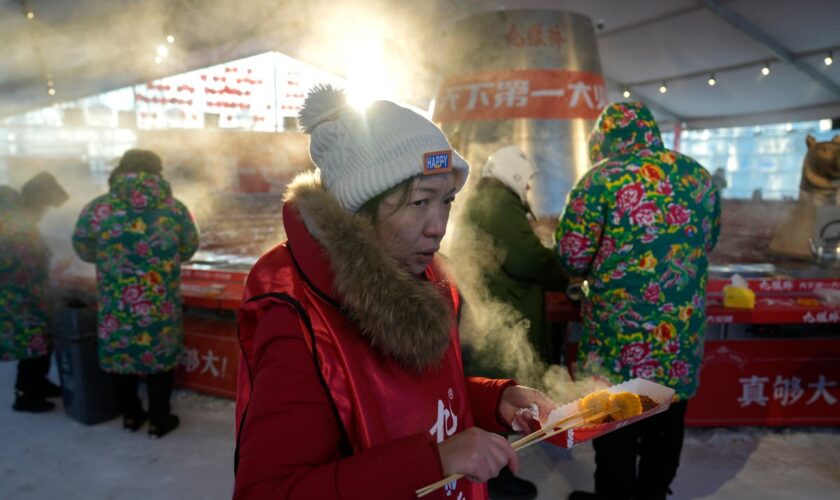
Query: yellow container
{"points": [[738, 298]]}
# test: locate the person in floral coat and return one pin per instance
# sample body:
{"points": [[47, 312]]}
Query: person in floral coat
{"points": [[137, 234], [24, 283], [639, 227]]}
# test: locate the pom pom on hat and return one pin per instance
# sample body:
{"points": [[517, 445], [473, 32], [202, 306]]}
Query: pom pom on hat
{"points": [[361, 154], [323, 103]]}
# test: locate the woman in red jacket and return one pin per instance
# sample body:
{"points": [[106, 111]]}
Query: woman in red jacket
{"points": [[351, 383]]}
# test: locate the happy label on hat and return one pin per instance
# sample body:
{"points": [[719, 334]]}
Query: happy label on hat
{"points": [[437, 162]]}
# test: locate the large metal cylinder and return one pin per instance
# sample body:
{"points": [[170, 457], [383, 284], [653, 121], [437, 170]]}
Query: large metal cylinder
{"points": [[531, 78]]}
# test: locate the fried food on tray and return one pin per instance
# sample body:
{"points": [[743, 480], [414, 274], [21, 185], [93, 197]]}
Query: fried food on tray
{"points": [[627, 403], [595, 403], [624, 405]]}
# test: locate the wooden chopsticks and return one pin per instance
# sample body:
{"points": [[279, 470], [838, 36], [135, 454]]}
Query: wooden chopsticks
{"points": [[522, 443], [564, 428]]}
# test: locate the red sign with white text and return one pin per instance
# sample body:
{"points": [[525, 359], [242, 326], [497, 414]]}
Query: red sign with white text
{"points": [[532, 93], [777, 286], [768, 382], [210, 360]]}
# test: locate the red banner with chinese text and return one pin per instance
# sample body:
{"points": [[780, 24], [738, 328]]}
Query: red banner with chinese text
{"points": [[210, 360], [768, 382], [776, 286], [532, 93]]}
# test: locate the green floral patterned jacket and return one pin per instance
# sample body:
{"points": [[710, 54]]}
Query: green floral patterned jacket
{"points": [[639, 227], [137, 235], [24, 275]]}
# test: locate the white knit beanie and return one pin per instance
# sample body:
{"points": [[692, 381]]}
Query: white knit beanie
{"points": [[510, 166], [361, 154]]}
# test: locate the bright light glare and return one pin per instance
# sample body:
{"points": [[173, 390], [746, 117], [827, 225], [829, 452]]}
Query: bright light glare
{"points": [[765, 70], [162, 51], [367, 79], [626, 94], [170, 39], [825, 125]]}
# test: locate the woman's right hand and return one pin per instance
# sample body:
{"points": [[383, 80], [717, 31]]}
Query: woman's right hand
{"points": [[477, 454]]}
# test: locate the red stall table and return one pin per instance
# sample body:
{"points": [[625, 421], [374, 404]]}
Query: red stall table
{"points": [[211, 353], [210, 296], [763, 379], [778, 301]]}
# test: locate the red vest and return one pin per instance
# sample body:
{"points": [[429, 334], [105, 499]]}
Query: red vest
{"points": [[376, 400]]}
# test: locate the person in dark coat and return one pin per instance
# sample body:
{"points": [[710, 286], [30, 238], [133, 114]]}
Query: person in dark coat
{"points": [[24, 282], [138, 235], [519, 270], [525, 269]]}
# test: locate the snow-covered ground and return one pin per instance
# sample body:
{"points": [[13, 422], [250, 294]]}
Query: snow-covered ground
{"points": [[50, 456]]}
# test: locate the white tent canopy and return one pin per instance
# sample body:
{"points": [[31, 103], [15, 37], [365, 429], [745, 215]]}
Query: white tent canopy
{"points": [[85, 47]]}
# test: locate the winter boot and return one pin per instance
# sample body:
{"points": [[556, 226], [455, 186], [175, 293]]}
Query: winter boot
{"points": [[582, 495], [135, 421], [161, 426], [31, 403], [653, 493]]}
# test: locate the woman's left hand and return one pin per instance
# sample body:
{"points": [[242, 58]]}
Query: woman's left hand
{"points": [[517, 397]]}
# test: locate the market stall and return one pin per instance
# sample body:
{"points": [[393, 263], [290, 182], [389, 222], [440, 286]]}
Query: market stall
{"points": [[775, 364]]}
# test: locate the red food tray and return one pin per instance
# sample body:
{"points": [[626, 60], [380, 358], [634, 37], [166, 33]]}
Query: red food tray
{"points": [[657, 392]]}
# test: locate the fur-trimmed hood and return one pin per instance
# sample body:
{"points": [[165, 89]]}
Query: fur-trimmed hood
{"points": [[405, 317]]}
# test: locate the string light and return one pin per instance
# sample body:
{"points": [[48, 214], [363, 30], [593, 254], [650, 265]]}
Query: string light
{"points": [[162, 51], [30, 15], [663, 88], [712, 80], [766, 69], [626, 93], [828, 59], [50, 83]]}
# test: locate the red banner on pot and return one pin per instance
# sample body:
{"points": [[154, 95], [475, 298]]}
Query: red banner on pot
{"points": [[533, 93]]}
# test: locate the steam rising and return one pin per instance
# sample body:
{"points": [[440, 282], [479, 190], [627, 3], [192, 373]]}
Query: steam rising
{"points": [[205, 169], [101, 46], [493, 332]]}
